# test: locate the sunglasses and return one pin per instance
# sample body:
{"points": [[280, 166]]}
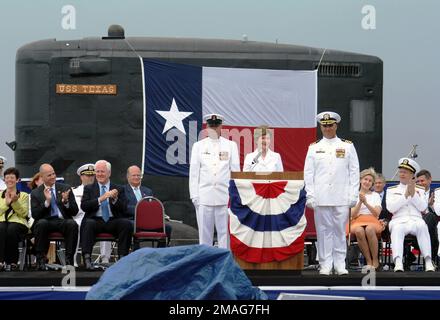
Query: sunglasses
{"points": [[328, 125]]}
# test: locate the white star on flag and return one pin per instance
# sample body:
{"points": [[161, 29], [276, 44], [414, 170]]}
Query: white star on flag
{"points": [[174, 118]]}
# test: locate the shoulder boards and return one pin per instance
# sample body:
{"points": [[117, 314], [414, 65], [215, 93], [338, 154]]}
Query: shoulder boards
{"points": [[392, 187], [437, 189], [347, 141], [315, 142]]}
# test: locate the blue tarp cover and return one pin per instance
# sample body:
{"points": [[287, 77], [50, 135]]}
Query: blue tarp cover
{"points": [[177, 273]]}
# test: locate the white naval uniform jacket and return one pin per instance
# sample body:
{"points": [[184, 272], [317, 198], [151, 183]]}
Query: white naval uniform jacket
{"points": [[331, 173], [437, 201], [78, 193], [405, 209], [212, 161], [271, 163]]}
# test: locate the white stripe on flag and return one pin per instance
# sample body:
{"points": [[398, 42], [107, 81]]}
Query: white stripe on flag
{"points": [[268, 239], [264, 206], [251, 97]]}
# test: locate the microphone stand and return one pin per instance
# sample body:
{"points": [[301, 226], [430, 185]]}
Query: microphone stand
{"points": [[255, 161]]}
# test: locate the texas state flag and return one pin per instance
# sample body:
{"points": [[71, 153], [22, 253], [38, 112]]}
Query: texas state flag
{"points": [[176, 96], [266, 219]]}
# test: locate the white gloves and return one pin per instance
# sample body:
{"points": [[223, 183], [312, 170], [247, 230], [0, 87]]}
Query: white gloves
{"points": [[310, 203], [195, 202]]}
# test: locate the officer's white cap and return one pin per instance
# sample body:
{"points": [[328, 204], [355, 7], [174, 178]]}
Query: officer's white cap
{"points": [[213, 119], [328, 117], [409, 164], [3, 159], [87, 169]]}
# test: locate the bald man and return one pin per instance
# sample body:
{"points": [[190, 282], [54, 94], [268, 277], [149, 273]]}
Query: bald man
{"points": [[134, 192], [53, 207]]}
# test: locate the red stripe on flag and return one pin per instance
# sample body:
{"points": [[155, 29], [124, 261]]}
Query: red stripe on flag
{"points": [[260, 255], [293, 144]]}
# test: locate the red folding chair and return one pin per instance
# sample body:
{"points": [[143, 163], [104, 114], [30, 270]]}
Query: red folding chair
{"points": [[149, 222]]}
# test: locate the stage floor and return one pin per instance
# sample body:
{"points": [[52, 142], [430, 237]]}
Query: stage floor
{"points": [[354, 278], [258, 278]]}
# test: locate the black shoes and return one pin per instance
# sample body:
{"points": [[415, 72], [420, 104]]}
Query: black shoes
{"points": [[88, 262], [41, 264], [69, 261]]}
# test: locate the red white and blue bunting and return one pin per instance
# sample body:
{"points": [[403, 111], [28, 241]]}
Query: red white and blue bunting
{"points": [[266, 219]]}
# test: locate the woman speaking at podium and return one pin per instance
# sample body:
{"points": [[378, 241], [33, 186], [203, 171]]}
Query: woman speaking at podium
{"points": [[263, 159]]}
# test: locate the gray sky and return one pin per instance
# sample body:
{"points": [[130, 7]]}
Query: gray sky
{"points": [[405, 38]]}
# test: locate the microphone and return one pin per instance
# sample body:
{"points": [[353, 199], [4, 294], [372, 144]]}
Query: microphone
{"points": [[255, 161]]}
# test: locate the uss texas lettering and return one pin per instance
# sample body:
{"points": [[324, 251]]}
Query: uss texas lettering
{"points": [[62, 88]]}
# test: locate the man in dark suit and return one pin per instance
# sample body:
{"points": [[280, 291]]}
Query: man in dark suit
{"points": [[424, 179], [104, 205], [385, 216], [134, 192], [53, 205]]}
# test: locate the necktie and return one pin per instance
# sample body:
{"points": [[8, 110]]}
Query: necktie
{"points": [[104, 206], [137, 193], [53, 204]]}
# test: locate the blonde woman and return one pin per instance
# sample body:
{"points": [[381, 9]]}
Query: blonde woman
{"points": [[365, 224]]}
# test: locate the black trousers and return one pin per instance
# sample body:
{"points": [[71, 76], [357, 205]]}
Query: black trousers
{"points": [[121, 228], [432, 221], [11, 233], [67, 227]]}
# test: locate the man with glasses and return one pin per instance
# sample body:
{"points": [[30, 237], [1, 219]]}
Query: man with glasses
{"points": [[134, 192], [331, 176]]}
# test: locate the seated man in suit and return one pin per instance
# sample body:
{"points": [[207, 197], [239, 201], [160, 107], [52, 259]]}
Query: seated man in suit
{"points": [[104, 206], [424, 179], [53, 206], [134, 192]]}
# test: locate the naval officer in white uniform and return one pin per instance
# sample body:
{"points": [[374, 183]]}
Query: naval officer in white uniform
{"points": [[406, 201], [263, 159], [331, 175], [212, 160], [87, 175]]}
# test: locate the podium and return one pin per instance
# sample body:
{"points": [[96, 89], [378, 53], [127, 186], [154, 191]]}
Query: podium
{"points": [[296, 262]]}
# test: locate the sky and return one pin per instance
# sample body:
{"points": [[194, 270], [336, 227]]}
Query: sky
{"points": [[405, 37]]}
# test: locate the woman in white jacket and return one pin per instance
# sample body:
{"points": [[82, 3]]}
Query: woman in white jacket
{"points": [[263, 159]]}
